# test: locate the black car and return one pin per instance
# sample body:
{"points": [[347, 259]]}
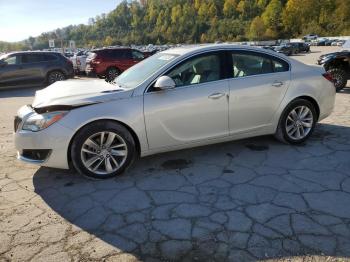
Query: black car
{"points": [[301, 47], [272, 48], [338, 65], [286, 49], [32, 68]]}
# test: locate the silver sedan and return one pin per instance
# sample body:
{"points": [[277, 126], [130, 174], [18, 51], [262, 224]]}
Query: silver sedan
{"points": [[179, 98]]}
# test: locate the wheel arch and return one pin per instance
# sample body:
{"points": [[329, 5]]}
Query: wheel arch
{"points": [[312, 101], [132, 132], [56, 69], [113, 66], [305, 97]]}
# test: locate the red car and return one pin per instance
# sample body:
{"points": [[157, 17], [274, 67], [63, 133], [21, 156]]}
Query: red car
{"points": [[110, 62]]}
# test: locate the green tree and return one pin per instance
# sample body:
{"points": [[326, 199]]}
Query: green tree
{"points": [[257, 29], [272, 18]]}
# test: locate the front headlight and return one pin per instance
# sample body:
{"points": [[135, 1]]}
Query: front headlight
{"points": [[37, 122]]}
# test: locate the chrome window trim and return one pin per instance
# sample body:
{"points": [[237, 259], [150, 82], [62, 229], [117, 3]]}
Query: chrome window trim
{"points": [[146, 90]]}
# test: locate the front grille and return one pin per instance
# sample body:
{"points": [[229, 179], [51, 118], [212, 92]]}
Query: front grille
{"points": [[17, 122]]}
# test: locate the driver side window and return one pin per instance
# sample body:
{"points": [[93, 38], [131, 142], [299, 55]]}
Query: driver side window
{"points": [[200, 69], [11, 60]]}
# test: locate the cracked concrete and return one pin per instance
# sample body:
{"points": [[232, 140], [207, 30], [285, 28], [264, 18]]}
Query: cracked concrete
{"points": [[255, 199]]}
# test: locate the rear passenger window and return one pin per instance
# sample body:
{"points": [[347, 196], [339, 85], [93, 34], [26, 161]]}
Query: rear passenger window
{"points": [[246, 64], [280, 66], [116, 54], [32, 58], [48, 57]]}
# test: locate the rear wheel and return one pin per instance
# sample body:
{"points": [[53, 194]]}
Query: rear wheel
{"points": [[102, 150], [340, 79], [297, 122], [112, 73], [55, 76]]}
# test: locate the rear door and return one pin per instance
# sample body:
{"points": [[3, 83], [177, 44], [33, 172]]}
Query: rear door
{"points": [[257, 87], [33, 67]]}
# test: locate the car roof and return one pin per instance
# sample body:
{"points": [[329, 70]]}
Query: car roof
{"points": [[195, 49], [184, 50], [33, 52], [110, 48]]}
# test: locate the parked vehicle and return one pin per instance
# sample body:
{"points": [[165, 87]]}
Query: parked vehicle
{"points": [[334, 42], [109, 63], [310, 37], [338, 65], [301, 47], [286, 49], [28, 68], [324, 42], [341, 43], [272, 48], [179, 98], [79, 61], [68, 54]]}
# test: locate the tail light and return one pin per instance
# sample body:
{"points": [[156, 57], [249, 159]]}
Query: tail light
{"points": [[78, 62], [95, 61], [69, 61], [329, 77]]}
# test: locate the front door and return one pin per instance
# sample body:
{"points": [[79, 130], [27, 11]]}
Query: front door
{"points": [[11, 71], [196, 109]]}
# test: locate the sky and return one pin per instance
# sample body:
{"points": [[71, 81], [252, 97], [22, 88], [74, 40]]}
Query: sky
{"points": [[20, 19]]}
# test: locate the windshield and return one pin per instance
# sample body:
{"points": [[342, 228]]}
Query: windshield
{"points": [[138, 73]]}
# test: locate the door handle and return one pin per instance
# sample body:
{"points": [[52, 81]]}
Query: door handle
{"points": [[277, 84], [216, 95]]}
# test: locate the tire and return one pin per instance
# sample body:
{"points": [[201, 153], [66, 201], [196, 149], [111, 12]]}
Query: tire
{"points": [[285, 127], [112, 73], [339, 75], [107, 160], [55, 76]]}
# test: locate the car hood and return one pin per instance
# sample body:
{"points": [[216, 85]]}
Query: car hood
{"points": [[78, 93], [334, 54]]}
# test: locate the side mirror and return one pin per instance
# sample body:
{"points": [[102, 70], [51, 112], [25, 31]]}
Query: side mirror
{"points": [[164, 83], [2, 63]]}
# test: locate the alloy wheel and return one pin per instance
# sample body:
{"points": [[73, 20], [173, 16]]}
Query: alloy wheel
{"points": [[112, 74], [104, 153], [55, 76], [299, 122]]}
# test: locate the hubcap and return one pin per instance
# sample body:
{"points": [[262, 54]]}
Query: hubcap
{"points": [[56, 76], [104, 153], [299, 122], [112, 74], [337, 79]]}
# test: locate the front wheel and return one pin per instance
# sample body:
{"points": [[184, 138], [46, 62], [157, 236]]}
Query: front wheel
{"points": [[297, 122], [340, 78], [102, 150]]}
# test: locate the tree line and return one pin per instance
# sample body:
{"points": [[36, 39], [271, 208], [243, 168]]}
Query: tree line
{"points": [[201, 21]]}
